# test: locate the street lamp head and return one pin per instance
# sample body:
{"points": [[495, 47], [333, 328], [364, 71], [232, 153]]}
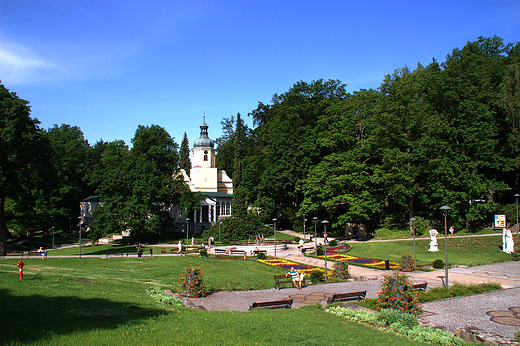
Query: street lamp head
{"points": [[325, 222], [187, 219], [412, 219], [315, 219], [275, 220], [444, 207], [516, 195]]}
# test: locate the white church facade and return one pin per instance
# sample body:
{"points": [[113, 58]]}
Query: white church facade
{"points": [[214, 184]]}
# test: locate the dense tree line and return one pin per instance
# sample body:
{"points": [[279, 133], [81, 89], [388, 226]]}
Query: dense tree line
{"points": [[44, 174], [442, 134]]}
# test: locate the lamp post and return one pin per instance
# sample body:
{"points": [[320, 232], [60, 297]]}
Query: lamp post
{"points": [[187, 233], [304, 219], [412, 228], [315, 219], [80, 223], [274, 226], [516, 196], [53, 237], [325, 223], [445, 209], [220, 223]]}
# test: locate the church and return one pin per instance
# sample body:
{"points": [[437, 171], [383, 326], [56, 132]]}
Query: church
{"points": [[205, 177]]}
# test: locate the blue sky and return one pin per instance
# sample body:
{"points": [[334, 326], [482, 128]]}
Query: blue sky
{"points": [[109, 66]]}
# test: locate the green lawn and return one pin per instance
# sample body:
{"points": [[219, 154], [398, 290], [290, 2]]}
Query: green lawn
{"points": [[469, 251], [96, 301]]}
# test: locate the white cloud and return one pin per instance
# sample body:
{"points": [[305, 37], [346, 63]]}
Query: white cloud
{"points": [[19, 65]]}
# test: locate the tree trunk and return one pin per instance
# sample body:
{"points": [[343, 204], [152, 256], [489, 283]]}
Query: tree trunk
{"points": [[4, 233]]}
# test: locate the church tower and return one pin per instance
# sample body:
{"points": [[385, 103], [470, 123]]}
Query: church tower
{"points": [[203, 172], [214, 184]]}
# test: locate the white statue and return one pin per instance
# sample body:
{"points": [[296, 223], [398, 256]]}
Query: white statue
{"points": [[433, 241], [508, 244]]}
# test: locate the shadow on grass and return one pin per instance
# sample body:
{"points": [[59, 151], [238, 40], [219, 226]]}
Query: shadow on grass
{"points": [[27, 319]]}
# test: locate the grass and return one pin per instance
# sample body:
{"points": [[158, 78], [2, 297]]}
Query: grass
{"points": [[470, 251], [96, 301]]}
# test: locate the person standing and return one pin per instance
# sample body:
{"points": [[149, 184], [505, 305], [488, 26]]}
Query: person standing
{"points": [[452, 230], [179, 245], [139, 248]]}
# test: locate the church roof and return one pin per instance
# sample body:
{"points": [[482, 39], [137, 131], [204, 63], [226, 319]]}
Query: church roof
{"points": [[204, 141]]}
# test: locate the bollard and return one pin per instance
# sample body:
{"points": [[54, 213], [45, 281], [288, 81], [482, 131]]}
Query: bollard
{"points": [[20, 265], [387, 264]]}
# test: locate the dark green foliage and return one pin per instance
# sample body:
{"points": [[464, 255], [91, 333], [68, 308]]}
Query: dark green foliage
{"points": [[317, 276], [261, 256], [438, 264], [237, 228], [24, 165], [320, 251], [184, 155], [333, 242], [456, 290], [138, 184], [203, 253]]}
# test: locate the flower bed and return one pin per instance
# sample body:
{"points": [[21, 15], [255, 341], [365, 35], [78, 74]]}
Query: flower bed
{"points": [[365, 262], [301, 268]]}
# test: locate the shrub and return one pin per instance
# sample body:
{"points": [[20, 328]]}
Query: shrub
{"points": [[333, 242], [407, 263], [316, 276], [296, 239], [341, 270], [438, 264], [320, 251], [261, 255], [389, 316], [191, 283], [203, 253], [397, 294]]}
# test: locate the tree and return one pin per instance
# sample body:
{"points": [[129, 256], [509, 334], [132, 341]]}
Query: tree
{"points": [[23, 153], [225, 157], [184, 153], [139, 187], [71, 158], [239, 200], [288, 135]]}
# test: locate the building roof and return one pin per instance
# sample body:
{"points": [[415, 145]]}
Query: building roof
{"points": [[204, 141], [92, 199]]}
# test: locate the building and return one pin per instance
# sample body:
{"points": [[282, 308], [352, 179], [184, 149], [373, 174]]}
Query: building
{"points": [[205, 177]]}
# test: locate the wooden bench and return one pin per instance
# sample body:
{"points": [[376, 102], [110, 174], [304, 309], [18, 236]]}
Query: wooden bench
{"points": [[343, 297], [285, 241], [307, 249], [516, 256], [254, 253], [276, 304], [237, 252], [115, 253], [221, 252], [420, 287], [282, 279]]}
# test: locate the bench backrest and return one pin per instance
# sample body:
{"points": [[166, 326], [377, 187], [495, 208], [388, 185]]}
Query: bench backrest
{"points": [[285, 302], [340, 296], [281, 276]]}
